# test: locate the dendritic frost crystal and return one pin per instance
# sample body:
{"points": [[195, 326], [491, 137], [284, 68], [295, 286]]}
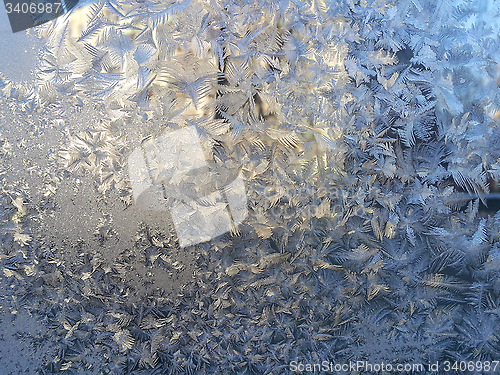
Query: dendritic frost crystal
{"points": [[234, 187]]}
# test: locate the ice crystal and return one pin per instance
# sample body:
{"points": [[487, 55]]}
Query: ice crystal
{"points": [[368, 135]]}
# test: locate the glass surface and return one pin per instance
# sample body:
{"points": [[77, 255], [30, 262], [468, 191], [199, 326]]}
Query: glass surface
{"points": [[251, 187]]}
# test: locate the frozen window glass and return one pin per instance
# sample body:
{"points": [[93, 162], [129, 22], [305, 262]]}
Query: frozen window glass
{"points": [[249, 187]]}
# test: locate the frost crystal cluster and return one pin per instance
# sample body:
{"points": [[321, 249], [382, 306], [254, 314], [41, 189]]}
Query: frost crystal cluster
{"points": [[368, 136]]}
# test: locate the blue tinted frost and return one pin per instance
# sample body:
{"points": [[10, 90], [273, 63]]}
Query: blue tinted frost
{"points": [[328, 204]]}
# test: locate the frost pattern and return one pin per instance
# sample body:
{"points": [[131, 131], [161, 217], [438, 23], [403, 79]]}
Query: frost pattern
{"points": [[368, 134]]}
